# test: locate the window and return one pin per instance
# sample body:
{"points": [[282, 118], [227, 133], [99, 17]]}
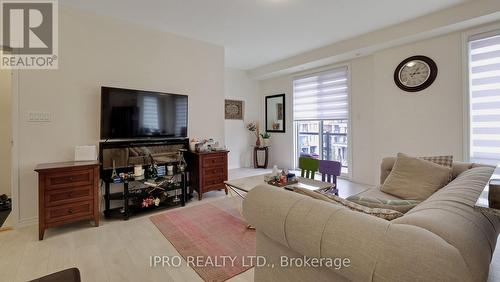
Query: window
{"points": [[484, 98], [321, 116]]}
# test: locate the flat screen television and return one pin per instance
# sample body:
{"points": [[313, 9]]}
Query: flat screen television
{"points": [[136, 114]]}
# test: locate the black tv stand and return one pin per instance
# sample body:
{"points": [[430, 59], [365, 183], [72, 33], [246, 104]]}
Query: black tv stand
{"points": [[125, 154]]}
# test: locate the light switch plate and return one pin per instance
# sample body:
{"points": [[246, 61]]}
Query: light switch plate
{"points": [[39, 117]]}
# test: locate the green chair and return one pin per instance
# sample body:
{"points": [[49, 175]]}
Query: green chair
{"points": [[308, 167]]}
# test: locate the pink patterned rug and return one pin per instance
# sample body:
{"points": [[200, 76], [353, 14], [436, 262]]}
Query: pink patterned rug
{"points": [[212, 236]]}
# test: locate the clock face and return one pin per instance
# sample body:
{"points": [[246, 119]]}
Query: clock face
{"points": [[415, 73]]}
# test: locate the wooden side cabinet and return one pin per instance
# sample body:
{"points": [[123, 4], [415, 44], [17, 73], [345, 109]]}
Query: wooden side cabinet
{"points": [[67, 192], [207, 171]]}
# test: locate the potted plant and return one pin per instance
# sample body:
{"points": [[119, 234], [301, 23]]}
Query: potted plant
{"points": [[266, 139]]}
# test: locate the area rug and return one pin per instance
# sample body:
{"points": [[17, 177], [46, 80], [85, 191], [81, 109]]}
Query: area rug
{"points": [[213, 236]]}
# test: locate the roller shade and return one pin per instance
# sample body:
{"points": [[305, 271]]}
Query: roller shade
{"points": [[322, 96], [484, 78]]}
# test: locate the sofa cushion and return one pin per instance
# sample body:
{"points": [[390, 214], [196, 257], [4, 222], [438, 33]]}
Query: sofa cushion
{"points": [[415, 179], [440, 160], [376, 193], [374, 202], [449, 213], [332, 198]]}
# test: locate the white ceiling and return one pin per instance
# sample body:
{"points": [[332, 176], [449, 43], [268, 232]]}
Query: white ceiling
{"points": [[259, 32]]}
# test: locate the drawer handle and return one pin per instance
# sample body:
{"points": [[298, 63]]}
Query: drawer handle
{"points": [[70, 211]]}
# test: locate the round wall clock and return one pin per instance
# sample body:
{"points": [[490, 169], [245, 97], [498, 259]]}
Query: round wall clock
{"points": [[415, 73]]}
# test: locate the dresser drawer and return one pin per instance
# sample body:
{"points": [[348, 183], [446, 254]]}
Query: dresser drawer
{"points": [[69, 179], [68, 195], [214, 171], [214, 180], [212, 161], [68, 211]]}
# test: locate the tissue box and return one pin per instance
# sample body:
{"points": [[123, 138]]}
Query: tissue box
{"points": [[85, 153]]}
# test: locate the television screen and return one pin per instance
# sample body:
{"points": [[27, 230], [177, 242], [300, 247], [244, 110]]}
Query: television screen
{"points": [[128, 114]]}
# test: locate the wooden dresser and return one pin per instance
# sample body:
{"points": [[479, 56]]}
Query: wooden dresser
{"points": [[67, 192], [207, 171]]}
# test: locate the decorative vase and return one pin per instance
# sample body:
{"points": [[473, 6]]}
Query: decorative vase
{"points": [[257, 143]]}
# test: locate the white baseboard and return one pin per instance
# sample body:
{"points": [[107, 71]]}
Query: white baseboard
{"points": [[27, 222]]}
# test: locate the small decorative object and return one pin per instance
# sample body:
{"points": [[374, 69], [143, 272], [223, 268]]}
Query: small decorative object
{"points": [[415, 73], [156, 201], [494, 194], [176, 198], [161, 170], [170, 169], [152, 172], [211, 144], [182, 162], [192, 145], [254, 128], [114, 174], [275, 113], [146, 202], [202, 146], [138, 171], [275, 170], [266, 139], [233, 109]]}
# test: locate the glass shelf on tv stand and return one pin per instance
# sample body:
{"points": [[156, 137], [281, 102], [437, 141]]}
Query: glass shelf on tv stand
{"points": [[170, 182]]}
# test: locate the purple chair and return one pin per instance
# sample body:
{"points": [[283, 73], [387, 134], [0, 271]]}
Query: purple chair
{"points": [[329, 171]]}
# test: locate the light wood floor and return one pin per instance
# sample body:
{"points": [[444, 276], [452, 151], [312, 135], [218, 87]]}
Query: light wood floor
{"points": [[116, 251]]}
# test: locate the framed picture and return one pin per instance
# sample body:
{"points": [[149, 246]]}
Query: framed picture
{"points": [[233, 109], [275, 113]]}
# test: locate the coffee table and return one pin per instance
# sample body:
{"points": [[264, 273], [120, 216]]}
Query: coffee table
{"points": [[244, 185], [483, 204]]}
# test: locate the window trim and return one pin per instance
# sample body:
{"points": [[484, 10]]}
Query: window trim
{"points": [[319, 71], [466, 36]]}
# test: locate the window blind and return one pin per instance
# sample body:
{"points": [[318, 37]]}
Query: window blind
{"points": [[484, 86], [321, 96]]}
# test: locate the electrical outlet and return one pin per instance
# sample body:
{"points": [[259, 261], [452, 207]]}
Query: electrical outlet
{"points": [[39, 117]]}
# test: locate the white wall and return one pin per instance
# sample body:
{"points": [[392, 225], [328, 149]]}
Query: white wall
{"points": [[238, 140], [387, 120], [96, 51], [5, 131], [280, 153]]}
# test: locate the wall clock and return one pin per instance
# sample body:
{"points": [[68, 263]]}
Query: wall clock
{"points": [[415, 73]]}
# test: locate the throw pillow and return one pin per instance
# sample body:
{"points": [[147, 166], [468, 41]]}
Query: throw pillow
{"points": [[415, 179], [386, 214], [372, 202], [440, 160]]}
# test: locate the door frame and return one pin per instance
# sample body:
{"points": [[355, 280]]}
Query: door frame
{"points": [[15, 78], [14, 152]]}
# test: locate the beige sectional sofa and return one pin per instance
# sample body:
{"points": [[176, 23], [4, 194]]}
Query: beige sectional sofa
{"points": [[441, 239]]}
